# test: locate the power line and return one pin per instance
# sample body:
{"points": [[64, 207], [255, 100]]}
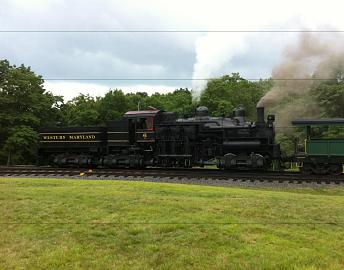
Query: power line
{"points": [[168, 31]]}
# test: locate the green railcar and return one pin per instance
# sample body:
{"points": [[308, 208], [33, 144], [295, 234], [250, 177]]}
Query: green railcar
{"points": [[325, 147], [320, 155]]}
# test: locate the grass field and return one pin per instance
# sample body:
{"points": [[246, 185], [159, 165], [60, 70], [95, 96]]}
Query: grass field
{"points": [[69, 224]]}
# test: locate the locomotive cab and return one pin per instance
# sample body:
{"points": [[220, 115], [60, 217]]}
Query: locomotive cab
{"points": [[141, 125]]}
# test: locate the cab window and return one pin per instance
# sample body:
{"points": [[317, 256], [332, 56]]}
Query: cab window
{"points": [[150, 123], [141, 123]]}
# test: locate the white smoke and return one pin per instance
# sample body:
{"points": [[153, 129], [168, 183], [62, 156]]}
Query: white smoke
{"points": [[213, 52]]}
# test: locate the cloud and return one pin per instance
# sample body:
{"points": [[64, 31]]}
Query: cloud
{"points": [[210, 61], [72, 89], [154, 55]]}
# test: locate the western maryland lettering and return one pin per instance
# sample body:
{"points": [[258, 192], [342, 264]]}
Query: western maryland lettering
{"points": [[53, 137], [67, 137], [82, 137]]}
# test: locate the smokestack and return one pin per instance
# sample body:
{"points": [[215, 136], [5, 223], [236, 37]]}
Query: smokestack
{"points": [[260, 115]]}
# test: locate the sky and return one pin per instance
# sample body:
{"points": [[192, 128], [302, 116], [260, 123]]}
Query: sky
{"points": [[143, 60]]}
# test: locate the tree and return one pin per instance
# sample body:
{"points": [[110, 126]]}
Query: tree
{"points": [[223, 94], [330, 95], [112, 106], [82, 110], [21, 145], [24, 103], [136, 101], [23, 99], [179, 101]]}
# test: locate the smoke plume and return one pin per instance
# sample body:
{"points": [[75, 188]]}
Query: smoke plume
{"points": [[213, 51], [312, 58]]}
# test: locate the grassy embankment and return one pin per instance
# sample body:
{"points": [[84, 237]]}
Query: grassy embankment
{"points": [[68, 224]]}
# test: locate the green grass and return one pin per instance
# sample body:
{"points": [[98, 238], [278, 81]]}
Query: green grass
{"points": [[70, 224]]}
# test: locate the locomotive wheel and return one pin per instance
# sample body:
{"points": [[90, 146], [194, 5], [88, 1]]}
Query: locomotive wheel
{"points": [[336, 169], [322, 169], [306, 169]]}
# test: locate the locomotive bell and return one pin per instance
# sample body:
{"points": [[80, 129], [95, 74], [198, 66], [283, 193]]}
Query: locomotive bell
{"points": [[202, 111]]}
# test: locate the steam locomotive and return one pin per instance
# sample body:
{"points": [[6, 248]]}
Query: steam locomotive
{"points": [[159, 139]]}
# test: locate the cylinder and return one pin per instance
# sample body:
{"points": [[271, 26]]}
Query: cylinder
{"points": [[260, 115]]}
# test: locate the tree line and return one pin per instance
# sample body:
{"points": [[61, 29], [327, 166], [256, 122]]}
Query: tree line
{"points": [[25, 106]]}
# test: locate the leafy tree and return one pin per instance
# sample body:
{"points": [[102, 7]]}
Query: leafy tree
{"points": [[330, 95], [23, 103], [21, 145], [156, 100], [334, 132], [328, 131], [82, 110], [223, 94], [23, 100], [287, 142], [136, 101], [112, 106], [179, 101]]}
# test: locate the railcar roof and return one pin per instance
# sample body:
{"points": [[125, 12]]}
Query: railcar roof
{"points": [[141, 113], [318, 122]]}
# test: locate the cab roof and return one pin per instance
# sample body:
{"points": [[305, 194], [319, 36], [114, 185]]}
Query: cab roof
{"points": [[133, 114]]}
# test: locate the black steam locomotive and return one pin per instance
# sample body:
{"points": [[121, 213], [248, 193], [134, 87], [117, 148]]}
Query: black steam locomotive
{"points": [[157, 138]]}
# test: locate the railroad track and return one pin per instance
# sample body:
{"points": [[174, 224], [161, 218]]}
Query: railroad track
{"points": [[185, 176]]}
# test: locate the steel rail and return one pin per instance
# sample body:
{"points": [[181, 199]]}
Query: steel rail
{"points": [[185, 176]]}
